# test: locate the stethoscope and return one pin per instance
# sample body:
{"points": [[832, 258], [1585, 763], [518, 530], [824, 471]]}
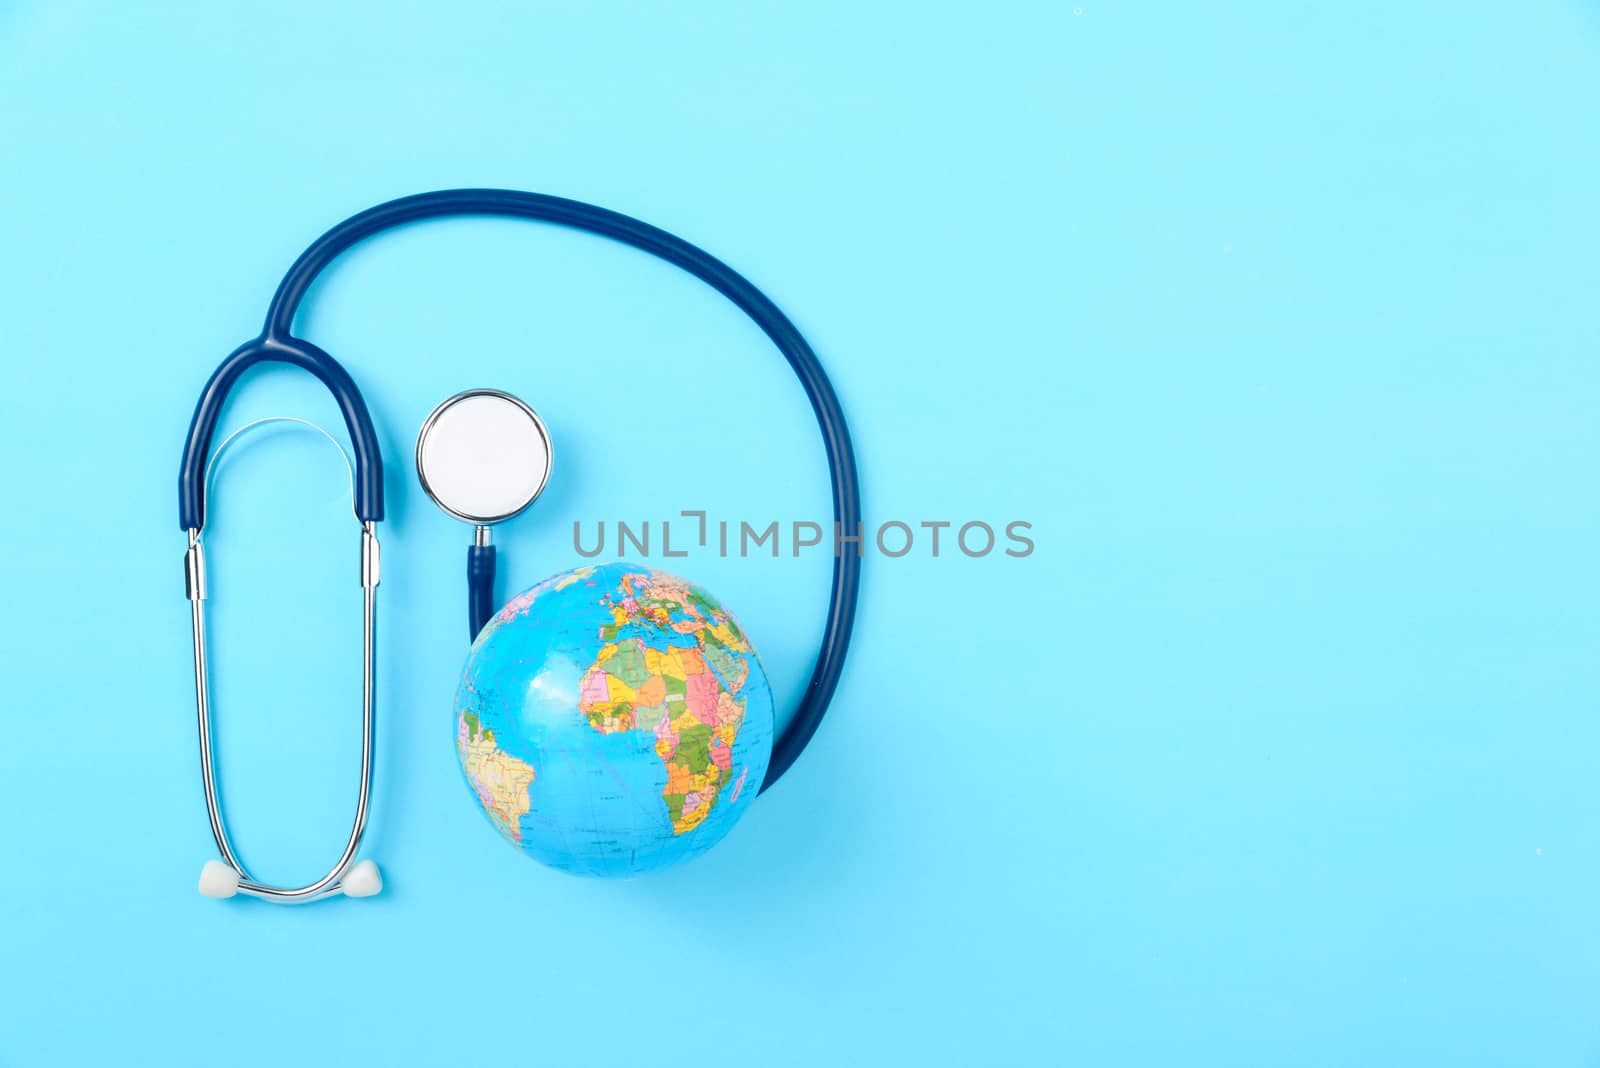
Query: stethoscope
{"points": [[450, 451]]}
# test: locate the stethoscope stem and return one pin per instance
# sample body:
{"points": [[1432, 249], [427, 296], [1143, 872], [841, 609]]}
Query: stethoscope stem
{"points": [[480, 581]]}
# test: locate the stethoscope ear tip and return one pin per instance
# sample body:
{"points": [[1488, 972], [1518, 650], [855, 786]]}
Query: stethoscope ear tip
{"points": [[362, 880], [218, 880]]}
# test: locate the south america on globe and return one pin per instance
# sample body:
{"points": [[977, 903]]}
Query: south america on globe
{"points": [[613, 720]]}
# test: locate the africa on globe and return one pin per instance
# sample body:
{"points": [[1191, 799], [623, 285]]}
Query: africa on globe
{"points": [[613, 720]]}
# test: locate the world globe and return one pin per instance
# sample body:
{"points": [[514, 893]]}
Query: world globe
{"points": [[613, 720]]}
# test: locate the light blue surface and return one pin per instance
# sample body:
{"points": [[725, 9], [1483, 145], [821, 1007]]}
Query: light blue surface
{"points": [[1279, 326]]}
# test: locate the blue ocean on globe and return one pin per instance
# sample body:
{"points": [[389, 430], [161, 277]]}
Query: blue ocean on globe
{"points": [[613, 720]]}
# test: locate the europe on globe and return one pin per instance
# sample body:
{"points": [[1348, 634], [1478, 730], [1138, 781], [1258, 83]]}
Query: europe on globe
{"points": [[613, 720]]}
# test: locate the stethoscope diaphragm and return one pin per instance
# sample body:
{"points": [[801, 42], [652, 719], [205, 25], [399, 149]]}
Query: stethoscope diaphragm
{"points": [[483, 456]]}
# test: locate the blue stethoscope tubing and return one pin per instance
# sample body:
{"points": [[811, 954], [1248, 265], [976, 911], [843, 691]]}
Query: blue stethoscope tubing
{"points": [[277, 343]]}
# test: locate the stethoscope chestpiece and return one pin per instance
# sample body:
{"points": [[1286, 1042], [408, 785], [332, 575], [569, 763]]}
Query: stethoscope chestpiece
{"points": [[483, 456]]}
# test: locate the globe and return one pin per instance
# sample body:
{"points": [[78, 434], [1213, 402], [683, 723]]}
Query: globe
{"points": [[613, 720]]}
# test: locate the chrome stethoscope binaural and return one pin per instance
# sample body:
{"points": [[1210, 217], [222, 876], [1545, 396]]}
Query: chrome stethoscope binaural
{"points": [[482, 456]]}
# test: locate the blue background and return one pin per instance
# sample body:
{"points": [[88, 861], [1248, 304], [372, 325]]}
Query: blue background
{"points": [[1277, 324]]}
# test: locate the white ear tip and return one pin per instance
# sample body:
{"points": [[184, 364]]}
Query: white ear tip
{"points": [[218, 880], [362, 880]]}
